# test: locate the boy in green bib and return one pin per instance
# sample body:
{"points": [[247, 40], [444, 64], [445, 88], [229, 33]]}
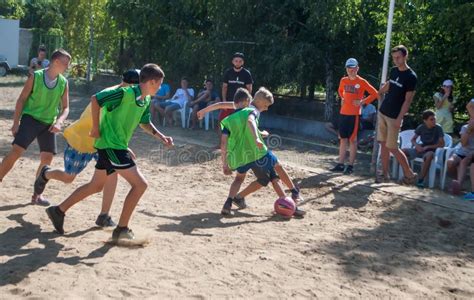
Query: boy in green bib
{"points": [[120, 111], [242, 100], [40, 111], [243, 149]]}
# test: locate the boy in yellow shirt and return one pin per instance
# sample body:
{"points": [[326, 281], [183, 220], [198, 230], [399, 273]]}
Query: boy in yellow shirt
{"points": [[80, 151]]}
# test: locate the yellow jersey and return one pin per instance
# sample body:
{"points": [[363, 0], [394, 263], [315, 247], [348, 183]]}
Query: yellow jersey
{"points": [[77, 134]]}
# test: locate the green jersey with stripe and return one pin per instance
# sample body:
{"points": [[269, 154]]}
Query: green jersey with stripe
{"points": [[241, 146], [43, 103], [122, 111]]}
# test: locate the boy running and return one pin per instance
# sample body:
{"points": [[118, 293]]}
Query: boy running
{"points": [[120, 111], [352, 90], [244, 149], [37, 114], [80, 151]]}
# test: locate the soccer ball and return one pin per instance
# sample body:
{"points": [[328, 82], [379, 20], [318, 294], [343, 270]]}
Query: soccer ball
{"points": [[285, 207]]}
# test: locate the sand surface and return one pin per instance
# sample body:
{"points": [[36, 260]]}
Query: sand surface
{"points": [[358, 240]]}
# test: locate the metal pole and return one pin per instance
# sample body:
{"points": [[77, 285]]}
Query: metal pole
{"points": [[375, 165], [91, 44]]}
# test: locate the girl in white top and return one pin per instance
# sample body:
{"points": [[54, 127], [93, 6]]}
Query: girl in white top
{"points": [[444, 102]]}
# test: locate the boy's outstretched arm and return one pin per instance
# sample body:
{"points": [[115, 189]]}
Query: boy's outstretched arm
{"points": [[95, 110], [215, 106], [253, 129], [225, 165], [20, 103], [151, 129]]}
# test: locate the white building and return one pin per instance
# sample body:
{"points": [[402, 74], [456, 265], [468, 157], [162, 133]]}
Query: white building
{"points": [[10, 40]]}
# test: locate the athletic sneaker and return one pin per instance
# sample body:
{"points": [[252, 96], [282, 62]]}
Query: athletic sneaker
{"points": [[239, 202], [57, 217], [104, 220], [299, 213], [420, 183], [227, 206], [41, 181], [338, 168], [122, 233], [469, 196], [349, 170], [38, 200]]}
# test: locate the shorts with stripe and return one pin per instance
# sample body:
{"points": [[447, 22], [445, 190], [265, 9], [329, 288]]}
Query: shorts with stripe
{"points": [[113, 159], [348, 127], [263, 168], [75, 162]]}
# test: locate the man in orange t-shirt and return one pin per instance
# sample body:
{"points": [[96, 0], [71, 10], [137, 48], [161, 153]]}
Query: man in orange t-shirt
{"points": [[352, 90]]}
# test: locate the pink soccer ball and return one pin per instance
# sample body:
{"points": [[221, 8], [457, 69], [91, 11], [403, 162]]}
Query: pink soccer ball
{"points": [[285, 207]]}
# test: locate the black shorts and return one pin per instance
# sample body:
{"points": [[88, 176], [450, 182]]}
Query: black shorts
{"points": [[348, 127], [31, 129], [263, 168], [112, 159], [366, 125]]}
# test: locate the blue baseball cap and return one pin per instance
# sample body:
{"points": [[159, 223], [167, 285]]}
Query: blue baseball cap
{"points": [[351, 63]]}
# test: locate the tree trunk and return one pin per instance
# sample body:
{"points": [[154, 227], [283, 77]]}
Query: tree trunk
{"points": [[311, 89], [330, 99], [303, 90]]}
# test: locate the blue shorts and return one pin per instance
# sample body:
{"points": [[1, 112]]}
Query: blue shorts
{"points": [[263, 168], [75, 161]]}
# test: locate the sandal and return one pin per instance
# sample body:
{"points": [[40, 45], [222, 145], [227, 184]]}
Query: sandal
{"points": [[408, 180]]}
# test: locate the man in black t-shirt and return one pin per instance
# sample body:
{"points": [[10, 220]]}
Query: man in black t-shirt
{"points": [[400, 90], [234, 78]]}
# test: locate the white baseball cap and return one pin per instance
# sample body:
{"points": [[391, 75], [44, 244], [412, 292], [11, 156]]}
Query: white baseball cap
{"points": [[448, 82], [351, 63]]}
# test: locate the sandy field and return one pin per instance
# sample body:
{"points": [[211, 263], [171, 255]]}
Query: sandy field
{"points": [[358, 240]]}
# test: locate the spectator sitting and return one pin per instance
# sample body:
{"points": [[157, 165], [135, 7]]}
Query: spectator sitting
{"points": [[368, 116], [205, 97], [432, 137], [163, 93], [444, 106], [40, 62], [178, 101], [463, 155], [470, 196]]}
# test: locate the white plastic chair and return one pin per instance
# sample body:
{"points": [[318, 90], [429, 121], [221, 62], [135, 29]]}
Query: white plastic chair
{"points": [[206, 119], [438, 162], [182, 111], [404, 141], [447, 155]]}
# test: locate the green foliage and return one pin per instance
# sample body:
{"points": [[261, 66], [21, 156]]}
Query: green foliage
{"points": [[297, 46], [12, 9]]}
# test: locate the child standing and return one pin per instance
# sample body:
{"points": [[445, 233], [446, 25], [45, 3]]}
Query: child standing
{"points": [[121, 111], [37, 114], [352, 90]]}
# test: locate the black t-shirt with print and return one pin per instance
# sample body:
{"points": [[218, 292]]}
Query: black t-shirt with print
{"points": [[401, 82], [236, 80]]}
